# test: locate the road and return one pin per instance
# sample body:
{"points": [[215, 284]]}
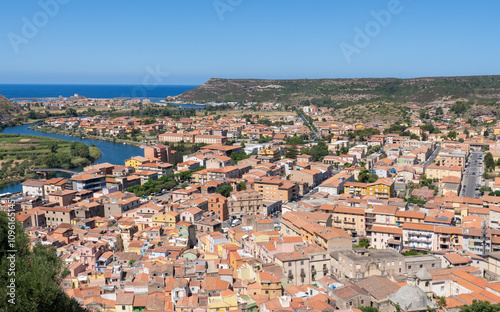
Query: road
{"points": [[472, 175], [305, 122], [433, 156]]}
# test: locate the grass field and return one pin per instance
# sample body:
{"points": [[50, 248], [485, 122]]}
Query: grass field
{"points": [[21, 152], [16, 146]]}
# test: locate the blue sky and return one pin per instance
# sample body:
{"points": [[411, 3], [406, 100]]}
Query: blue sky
{"points": [[119, 42]]}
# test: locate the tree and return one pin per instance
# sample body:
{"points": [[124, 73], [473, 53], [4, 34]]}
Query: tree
{"points": [[363, 243], [38, 273], [368, 309], [480, 306], [237, 156], [489, 162], [53, 147], [460, 107], [319, 151], [484, 189], [439, 111], [242, 186], [291, 152], [421, 113], [224, 190], [71, 112], [441, 301], [366, 177], [452, 135]]}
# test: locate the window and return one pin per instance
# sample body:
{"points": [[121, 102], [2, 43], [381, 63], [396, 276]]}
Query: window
{"points": [[433, 265], [289, 264], [302, 262], [409, 267]]}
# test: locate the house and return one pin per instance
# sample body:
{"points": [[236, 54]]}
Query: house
{"points": [[335, 184]]}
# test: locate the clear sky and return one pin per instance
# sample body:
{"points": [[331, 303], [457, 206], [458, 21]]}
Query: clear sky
{"points": [[122, 42]]}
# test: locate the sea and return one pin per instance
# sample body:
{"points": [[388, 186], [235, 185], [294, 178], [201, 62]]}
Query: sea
{"points": [[38, 91]]}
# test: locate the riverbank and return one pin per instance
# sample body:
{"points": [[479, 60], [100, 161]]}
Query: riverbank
{"points": [[20, 153], [114, 153], [45, 129]]}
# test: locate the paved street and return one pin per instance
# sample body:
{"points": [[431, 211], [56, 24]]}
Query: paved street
{"points": [[472, 175], [432, 158]]}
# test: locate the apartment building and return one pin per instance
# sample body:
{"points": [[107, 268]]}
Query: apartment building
{"points": [[403, 216], [418, 236], [175, 137], [296, 267], [439, 172], [274, 188], [455, 158], [157, 152], [247, 202], [54, 216], [136, 161], [355, 188], [218, 204], [335, 184], [210, 139], [349, 219], [319, 261], [382, 188], [88, 182], [222, 174], [33, 188], [54, 185]]}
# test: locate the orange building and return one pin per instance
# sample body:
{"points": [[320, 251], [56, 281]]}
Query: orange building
{"points": [[218, 204]]}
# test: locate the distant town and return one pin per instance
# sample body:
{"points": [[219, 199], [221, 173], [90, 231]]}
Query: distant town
{"points": [[261, 207]]}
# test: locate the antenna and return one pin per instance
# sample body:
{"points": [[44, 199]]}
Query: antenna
{"points": [[484, 231]]}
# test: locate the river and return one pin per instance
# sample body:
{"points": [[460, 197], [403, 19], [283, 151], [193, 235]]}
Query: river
{"points": [[113, 153]]}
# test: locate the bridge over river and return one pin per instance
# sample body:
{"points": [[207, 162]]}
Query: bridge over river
{"points": [[47, 170]]}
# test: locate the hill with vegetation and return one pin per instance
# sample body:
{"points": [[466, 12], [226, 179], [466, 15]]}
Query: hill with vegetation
{"points": [[345, 93], [7, 108]]}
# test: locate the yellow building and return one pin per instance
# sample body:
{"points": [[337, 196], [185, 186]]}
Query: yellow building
{"points": [[166, 219], [382, 188], [274, 153], [136, 161], [226, 301], [270, 286], [356, 188]]}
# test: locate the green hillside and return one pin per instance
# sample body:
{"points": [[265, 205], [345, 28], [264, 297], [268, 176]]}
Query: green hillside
{"points": [[341, 93]]}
